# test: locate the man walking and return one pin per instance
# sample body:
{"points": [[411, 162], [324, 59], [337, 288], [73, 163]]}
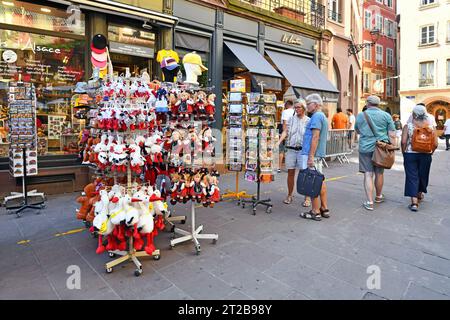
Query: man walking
{"points": [[339, 120], [293, 134], [384, 130], [351, 127], [314, 147], [447, 134]]}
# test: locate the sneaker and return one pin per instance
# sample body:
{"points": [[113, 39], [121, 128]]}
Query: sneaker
{"points": [[368, 205], [279, 170]]}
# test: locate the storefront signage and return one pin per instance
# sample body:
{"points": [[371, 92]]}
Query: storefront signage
{"points": [[132, 50], [237, 85], [291, 39], [31, 45]]}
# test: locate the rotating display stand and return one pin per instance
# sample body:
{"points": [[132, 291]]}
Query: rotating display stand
{"points": [[23, 144], [260, 121], [255, 201]]}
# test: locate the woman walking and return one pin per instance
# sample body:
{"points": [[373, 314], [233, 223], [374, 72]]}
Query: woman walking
{"points": [[419, 141]]}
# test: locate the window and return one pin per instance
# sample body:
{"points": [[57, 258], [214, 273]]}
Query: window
{"points": [[448, 31], [448, 72], [389, 28], [366, 87], [426, 2], [368, 20], [379, 54], [427, 35], [426, 77], [390, 57], [379, 23], [368, 53], [30, 15], [333, 12], [379, 85], [54, 65], [389, 87], [388, 3]]}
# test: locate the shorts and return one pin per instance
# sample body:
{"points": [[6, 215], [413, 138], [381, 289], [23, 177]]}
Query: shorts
{"points": [[398, 133], [282, 148], [366, 165], [295, 159]]}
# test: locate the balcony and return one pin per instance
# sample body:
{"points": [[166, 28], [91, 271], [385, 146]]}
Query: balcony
{"points": [[306, 11], [335, 16], [426, 82]]}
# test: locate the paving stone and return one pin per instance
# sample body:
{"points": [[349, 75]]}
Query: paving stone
{"points": [[172, 293], [372, 296], [37, 288], [417, 292], [238, 295], [252, 254]]}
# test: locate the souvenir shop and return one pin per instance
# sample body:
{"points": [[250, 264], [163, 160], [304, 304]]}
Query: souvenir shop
{"points": [[47, 43]]}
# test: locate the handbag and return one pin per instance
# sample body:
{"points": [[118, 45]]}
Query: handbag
{"points": [[309, 182], [384, 153]]}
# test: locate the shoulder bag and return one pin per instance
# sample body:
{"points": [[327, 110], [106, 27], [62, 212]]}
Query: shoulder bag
{"points": [[384, 153]]}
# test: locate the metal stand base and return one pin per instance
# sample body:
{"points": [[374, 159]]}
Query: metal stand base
{"points": [[17, 209], [132, 255], [256, 202], [194, 235], [170, 221]]}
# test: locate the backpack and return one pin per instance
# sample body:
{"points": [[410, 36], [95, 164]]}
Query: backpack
{"points": [[423, 140]]}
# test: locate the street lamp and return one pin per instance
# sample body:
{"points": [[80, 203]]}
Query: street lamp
{"points": [[355, 48]]}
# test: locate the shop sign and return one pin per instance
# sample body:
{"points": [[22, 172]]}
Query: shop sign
{"points": [[237, 85], [132, 50], [31, 45], [291, 39]]}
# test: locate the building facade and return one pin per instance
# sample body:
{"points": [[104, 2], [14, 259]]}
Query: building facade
{"points": [[425, 57], [379, 74], [343, 69], [49, 42]]}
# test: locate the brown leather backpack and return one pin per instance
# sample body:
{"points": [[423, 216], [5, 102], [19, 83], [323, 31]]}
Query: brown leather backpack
{"points": [[423, 140]]}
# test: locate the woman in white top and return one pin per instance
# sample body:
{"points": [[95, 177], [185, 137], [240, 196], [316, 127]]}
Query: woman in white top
{"points": [[417, 164]]}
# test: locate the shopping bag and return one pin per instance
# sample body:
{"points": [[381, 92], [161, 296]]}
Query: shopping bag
{"points": [[309, 182]]}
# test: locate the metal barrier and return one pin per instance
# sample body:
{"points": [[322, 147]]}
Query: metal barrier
{"points": [[338, 145]]}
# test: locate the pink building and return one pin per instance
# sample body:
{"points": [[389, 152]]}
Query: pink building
{"points": [[380, 60]]}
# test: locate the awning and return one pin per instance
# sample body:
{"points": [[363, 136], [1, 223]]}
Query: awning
{"points": [[252, 60], [113, 7], [303, 75]]}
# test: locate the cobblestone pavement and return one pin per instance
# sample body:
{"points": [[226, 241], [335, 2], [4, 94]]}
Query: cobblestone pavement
{"points": [[267, 256]]}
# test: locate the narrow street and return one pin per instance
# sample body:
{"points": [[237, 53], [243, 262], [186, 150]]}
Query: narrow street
{"points": [[267, 256]]}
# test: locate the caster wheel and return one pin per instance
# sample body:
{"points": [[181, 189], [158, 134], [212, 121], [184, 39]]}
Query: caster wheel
{"points": [[197, 250], [137, 272], [171, 247], [172, 229], [157, 257], [254, 211], [111, 254], [183, 221], [109, 270], [214, 241], [243, 206], [269, 210]]}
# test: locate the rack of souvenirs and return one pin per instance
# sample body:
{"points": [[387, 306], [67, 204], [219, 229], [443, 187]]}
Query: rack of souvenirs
{"points": [[151, 145], [259, 145]]}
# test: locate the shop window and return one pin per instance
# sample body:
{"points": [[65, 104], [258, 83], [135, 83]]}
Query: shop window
{"points": [[24, 14], [54, 65], [131, 48]]}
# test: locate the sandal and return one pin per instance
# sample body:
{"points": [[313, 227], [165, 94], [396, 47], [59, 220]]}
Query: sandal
{"points": [[414, 207], [288, 200], [311, 215], [306, 203], [420, 196], [325, 213], [380, 199]]}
